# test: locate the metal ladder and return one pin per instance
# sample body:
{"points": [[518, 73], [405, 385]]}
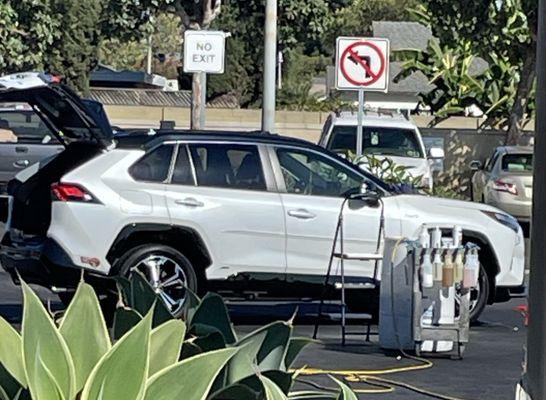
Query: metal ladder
{"points": [[342, 256]]}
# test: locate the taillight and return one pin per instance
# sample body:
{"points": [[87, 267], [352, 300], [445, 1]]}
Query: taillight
{"points": [[503, 186], [71, 192]]}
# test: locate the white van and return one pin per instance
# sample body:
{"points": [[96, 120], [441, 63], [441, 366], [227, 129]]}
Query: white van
{"points": [[386, 134]]}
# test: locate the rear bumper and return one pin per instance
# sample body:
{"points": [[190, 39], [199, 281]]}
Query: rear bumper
{"points": [[40, 261]]}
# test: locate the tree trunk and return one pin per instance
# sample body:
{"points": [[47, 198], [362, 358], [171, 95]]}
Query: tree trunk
{"points": [[525, 84]]}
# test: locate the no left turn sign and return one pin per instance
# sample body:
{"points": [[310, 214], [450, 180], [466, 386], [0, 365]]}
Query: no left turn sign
{"points": [[362, 64]]}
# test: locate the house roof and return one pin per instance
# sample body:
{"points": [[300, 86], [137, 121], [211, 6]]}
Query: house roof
{"points": [[155, 98], [403, 35]]}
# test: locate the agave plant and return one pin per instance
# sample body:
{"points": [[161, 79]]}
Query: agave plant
{"points": [[152, 356]]}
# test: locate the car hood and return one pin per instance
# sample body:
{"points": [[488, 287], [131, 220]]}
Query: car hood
{"points": [[442, 205], [416, 166], [69, 118]]}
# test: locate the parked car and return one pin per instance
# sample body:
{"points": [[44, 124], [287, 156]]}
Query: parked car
{"points": [[239, 213], [386, 134], [505, 181], [25, 138]]}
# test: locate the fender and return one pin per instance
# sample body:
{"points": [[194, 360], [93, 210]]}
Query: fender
{"points": [[184, 239]]}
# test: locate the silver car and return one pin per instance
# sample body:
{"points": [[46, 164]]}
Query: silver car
{"points": [[505, 180]]}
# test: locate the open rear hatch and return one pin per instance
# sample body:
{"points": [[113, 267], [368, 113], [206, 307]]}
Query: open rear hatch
{"points": [[69, 118], [80, 125]]}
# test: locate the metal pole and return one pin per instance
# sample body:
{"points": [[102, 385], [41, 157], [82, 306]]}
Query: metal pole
{"points": [[203, 105], [360, 117], [149, 56], [280, 60], [270, 55], [536, 339]]}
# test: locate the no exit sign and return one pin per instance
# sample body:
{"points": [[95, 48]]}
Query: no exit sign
{"points": [[204, 51]]}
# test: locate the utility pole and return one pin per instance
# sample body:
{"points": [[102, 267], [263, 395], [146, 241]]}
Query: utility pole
{"points": [[149, 56], [270, 55], [536, 338]]}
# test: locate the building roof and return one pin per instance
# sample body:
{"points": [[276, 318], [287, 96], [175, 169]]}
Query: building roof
{"points": [[155, 98], [403, 35]]}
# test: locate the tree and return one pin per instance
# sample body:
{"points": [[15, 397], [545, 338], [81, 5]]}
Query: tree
{"points": [[197, 15], [131, 54], [503, 33], [301, 24], [27, 31], [63, 36], [356, 17]]}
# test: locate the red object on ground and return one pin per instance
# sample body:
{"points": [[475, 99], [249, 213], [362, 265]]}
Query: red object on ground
{"points": [[524, 311]]}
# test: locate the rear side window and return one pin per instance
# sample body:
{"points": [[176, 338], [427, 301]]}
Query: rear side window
{"points": [[226, 165], [517, 163], [154, 166]]}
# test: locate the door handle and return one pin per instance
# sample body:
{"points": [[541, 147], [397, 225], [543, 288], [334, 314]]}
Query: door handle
{"points": [[189, 202], [301, 214], [21, 149], [21, 163]]}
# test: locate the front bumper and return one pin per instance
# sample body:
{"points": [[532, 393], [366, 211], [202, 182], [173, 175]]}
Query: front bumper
{"points": [[503, 294], [40, 261]]}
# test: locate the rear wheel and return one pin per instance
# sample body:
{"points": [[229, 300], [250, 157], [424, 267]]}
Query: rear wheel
{"points": [[167, 270]]}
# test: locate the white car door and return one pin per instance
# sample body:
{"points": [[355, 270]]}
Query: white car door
{"points": [[223, 191], [314, 187]]}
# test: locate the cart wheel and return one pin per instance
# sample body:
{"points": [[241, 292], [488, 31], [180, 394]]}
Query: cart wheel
{"points": [[418, 349]]}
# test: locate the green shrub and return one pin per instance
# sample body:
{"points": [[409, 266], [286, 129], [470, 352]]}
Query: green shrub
{"points": [[152, 356]]}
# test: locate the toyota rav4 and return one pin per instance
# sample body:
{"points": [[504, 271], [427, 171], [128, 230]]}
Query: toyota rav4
{"points": [[238, 213]]}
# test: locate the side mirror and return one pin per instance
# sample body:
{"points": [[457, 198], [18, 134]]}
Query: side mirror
{"points": [[436, 152], [367, 196], [475, 165]]}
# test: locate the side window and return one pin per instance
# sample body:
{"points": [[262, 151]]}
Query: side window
{"points": [[227, 165], [182, 174], [310, 173], [154, 166]]}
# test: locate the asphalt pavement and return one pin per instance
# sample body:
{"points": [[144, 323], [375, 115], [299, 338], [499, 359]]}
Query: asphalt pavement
{"points": [[490, 368]]}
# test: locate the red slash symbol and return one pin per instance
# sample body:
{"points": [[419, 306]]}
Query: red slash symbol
{"points": [[351, 54]]}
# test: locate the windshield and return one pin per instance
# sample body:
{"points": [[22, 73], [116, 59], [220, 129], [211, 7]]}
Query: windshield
{"points": [[517, 163], [398, 142]]}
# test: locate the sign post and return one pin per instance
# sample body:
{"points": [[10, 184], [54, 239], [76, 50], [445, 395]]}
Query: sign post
{"points": [[362, 64], [204, 53]]}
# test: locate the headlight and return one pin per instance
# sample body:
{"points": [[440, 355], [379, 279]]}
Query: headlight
{"points": [[505, 219]]}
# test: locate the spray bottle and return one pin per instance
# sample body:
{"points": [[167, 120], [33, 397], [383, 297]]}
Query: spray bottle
{"points": [[426, 271], [424, 237], [457, 234], [471, 269], [437, 266], [458, 269], [436, 238], [447, 270]]}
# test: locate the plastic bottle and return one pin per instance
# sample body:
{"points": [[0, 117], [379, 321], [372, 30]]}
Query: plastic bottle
{"points": [[436, 239], [458, 268], [447, 270], [426, 271], [424, 237], [437, 266]]}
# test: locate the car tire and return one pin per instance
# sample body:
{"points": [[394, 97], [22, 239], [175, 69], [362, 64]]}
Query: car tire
{"points": [[175, 273], [482, 296]]}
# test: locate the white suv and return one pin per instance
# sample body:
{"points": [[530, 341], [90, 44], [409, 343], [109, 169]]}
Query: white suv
{"points": [[235, 213], [386, 134]]}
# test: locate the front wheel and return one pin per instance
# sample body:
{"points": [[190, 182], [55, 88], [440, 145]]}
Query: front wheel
{"points": [[167, 270], [479, 296]]}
